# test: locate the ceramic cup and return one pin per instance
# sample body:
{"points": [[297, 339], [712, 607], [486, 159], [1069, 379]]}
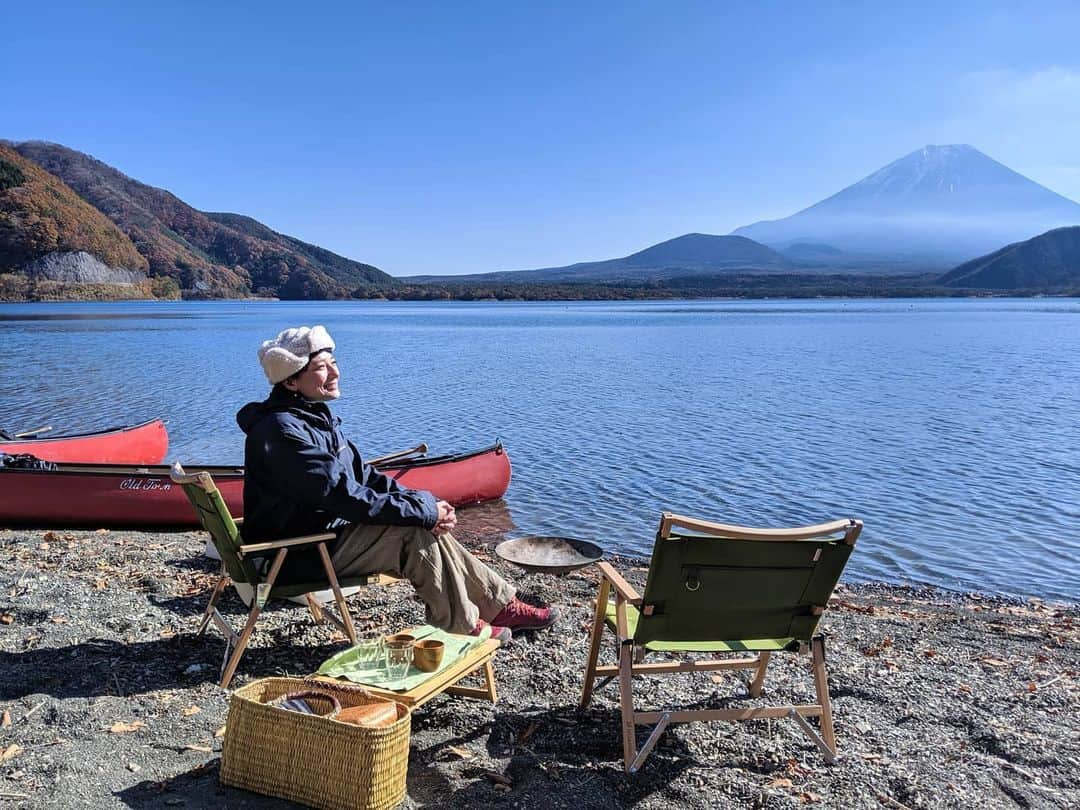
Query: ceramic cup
{"points": [[428, 654]]}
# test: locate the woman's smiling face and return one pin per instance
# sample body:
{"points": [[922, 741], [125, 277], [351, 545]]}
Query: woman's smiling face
{"points": [[318, 382]]}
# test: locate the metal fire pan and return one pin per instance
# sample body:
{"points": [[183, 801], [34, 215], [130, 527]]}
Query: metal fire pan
{"points": [[549, 555]]}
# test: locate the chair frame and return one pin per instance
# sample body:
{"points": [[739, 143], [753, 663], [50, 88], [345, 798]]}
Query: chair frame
{"points": [[631, 662], [262, 591]]}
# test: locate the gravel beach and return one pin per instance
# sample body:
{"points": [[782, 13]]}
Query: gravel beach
{"points": [[108, 699]]}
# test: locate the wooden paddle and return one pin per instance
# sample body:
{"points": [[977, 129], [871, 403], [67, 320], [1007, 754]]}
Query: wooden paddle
{"points": [[420, 448], [26, 434]]}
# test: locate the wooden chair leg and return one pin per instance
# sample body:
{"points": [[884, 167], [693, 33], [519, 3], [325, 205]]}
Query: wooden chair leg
{"points": [[339, 597], [253, 616], [821, 684], [759, 676], [489, 680], [594, 643], [315, 608], [219, 588], [626, 703]]}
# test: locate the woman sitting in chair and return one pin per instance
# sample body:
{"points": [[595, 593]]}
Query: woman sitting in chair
{"points": [[302, 476]]}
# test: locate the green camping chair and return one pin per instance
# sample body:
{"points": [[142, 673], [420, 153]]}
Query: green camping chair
{"points": [[721, 589], [238, 568]]}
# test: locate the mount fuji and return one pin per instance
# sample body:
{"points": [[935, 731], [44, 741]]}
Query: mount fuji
{"points": [[939, 203]]}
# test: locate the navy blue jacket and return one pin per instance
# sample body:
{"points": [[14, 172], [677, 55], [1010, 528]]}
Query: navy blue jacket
{"points": [[302, 476]]}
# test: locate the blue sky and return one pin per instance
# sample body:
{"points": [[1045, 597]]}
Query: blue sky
{"points": [[471, 137]]}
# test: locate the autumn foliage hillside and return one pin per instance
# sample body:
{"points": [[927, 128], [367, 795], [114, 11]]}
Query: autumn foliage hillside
{"points": [[218, 255], [39, 214]]}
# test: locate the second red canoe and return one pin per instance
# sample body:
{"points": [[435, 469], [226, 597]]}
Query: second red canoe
{"points": [[132, 444]]}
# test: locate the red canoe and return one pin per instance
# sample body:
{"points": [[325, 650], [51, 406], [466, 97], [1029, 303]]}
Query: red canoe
{"points": [[136, 444], [96, 495]]}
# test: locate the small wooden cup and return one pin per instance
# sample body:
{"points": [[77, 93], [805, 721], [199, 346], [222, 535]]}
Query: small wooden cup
{"points": [[428, 654], [400, 640]]}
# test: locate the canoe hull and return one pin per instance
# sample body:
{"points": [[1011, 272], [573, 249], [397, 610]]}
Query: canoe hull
{"points": [[125, 496], [136, 444], [483, 475]]}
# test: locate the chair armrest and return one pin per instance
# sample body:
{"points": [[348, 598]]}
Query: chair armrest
{"points": [[625, 589], [255, 548], [849, 526]]}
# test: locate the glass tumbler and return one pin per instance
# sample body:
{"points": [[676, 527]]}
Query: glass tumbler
{"points": [[369, 648], [398, 659]]}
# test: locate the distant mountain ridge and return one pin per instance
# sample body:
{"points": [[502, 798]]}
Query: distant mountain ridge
{"points": [[209, 255], [688, 255], [1048, 262], [71, 225], [938, 202]]}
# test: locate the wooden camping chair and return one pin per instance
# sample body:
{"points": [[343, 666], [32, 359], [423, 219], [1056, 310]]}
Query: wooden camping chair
{"points": [[721, 589], [238, 568]]}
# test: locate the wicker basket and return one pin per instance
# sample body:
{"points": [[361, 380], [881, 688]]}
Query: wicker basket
{"points": [[311, 759]]}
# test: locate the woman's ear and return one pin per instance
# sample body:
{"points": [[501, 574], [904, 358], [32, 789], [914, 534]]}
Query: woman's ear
{"points": [[290, 384]]}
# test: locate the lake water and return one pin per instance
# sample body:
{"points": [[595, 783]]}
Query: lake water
{"points": [[949, 426]]}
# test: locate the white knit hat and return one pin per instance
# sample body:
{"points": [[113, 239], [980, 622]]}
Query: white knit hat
{"points": [[290, 351]]}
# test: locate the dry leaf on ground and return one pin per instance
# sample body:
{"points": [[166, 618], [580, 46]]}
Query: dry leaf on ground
{"points": [[524, 736], [455, 751], [10, 752], [190, 710], [125, 728]]}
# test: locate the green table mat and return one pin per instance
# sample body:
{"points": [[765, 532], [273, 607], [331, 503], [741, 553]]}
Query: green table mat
{"points": [[373, 673]]}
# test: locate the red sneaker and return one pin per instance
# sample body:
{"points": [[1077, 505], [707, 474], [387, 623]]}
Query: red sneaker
{"points": [[518, 615], [502, 634]]}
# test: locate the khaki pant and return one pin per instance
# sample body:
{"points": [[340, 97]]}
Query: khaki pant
{"points": [[456, 588]]}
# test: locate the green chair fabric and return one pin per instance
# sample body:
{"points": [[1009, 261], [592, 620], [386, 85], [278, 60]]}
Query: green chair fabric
{"points": [[703, 588], [760, 644], [224, 533]]}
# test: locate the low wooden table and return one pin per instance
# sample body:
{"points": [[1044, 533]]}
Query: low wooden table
{"points": [[479, 658]]}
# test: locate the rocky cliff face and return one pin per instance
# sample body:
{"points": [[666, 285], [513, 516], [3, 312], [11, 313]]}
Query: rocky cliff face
{"points": [[79, 267]]}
